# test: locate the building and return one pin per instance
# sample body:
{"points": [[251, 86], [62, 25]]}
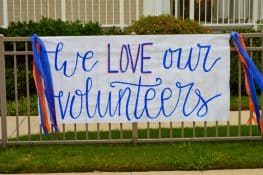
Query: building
{"points": [[121, 13]]}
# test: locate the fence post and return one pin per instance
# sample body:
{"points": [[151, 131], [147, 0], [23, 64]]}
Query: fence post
{"points": [[262, 68], [3, 92]]}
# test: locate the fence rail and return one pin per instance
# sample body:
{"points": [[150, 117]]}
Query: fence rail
{"points": [[121, 13], [20, 129]]}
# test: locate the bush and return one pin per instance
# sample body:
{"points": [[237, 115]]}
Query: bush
{"points": [[44, 27], [165, 24], [51, 27]]}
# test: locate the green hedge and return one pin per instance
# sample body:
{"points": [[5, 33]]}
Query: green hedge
{"points": [[165, 24], [44, 27], [51, 27]]}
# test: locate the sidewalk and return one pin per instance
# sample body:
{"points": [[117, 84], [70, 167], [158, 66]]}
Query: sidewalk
{"points": [[207, 172]]}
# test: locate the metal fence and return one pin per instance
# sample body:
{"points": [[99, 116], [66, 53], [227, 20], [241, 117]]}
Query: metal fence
{"points": [[109, 13], [220, 12], [25, 129], [121, 13]]}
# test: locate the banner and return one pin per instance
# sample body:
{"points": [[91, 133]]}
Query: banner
{"points": [[138, 78]]}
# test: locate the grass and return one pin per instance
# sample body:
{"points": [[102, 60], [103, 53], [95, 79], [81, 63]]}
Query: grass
{"points": [[126, 157], [23, 107], [234, 103]]}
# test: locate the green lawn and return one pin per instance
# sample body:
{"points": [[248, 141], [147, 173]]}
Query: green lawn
{"points": [[127, 157]]}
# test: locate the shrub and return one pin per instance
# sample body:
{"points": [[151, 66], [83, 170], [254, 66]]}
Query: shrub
{"points": [[44, 27], [165, 24], [51, 27]]}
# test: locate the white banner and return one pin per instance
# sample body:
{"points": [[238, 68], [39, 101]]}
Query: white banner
{"points": [[138, 78]]}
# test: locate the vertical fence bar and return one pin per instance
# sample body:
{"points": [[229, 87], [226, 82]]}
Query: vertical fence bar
{"points": [[27, 10], [171, 129], [109, 130], [48, 9], [52, 131], [71, 10], [234, 11], [148, 130], [249, 13], [199, 11], [205, 11], [211, 11], [255, 13], [194, 129], [92, 11], [250, 113], [121, 130], [79, 10], [228, 11], [223, 12], [134, 133], [87, 131], [228, 129], [217, 10], [205, 129], [113, 12], [216, 128], [3, 93], [99, 11], [176, 8], [182, 129], [20, 10], [121, 14], [55, 9], [41, 7], [137, 9], [261, 69], [64, 132], [5, 13], [63, 10], [75, 131], [85, 10], [192, 9], [16, 93], [14, 10], [239, 98], [239, 9], [183, 7], [98, 131], [40, 132], [27, 94], [130, 14], [160, 130], [34, 11], [106, 13], [244, 12]]}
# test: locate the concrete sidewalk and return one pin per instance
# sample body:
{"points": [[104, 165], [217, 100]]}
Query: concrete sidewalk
{"points": [[207, 172]]}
